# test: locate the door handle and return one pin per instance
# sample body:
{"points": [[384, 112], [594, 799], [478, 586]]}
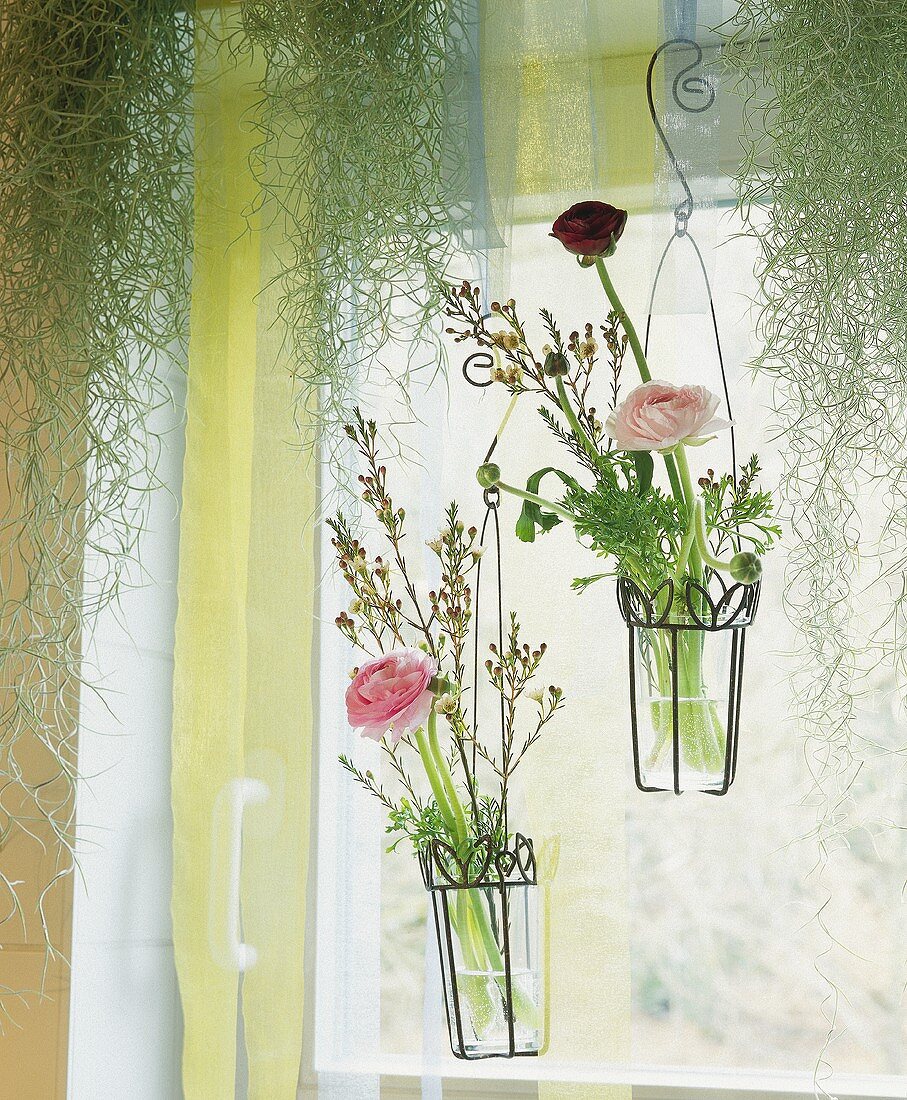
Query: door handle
{"points": [[242, 792]]}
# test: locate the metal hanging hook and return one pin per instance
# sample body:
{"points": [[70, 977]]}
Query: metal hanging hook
{"points": [[682, 86], [690, 85]]}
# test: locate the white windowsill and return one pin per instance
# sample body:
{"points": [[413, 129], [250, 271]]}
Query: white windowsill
{"points": [[667, 1083]]}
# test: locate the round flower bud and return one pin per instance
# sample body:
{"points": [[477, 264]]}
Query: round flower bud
{"points": [[488, 475], [746, 567], [556, 364]]}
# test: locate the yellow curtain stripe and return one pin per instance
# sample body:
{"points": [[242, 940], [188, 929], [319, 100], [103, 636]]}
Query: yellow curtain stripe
{"points": [[246, 617], [210, 663], [278, 720]]}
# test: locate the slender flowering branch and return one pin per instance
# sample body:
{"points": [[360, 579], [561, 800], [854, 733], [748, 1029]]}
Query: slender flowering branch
{"points": [[440, 622]]}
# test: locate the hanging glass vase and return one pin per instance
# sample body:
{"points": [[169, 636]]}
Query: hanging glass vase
{"points": [[486, 916], [686, 648]]}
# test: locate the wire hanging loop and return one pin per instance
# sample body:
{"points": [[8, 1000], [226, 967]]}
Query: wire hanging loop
{"points": [[687, 83], [492, 499]]}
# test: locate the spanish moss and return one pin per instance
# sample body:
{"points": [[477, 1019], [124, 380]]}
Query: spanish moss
{"points": [[364, 153], [95, 216], [822, 186]]}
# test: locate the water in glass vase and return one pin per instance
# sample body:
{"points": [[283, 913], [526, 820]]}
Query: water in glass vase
{"points": [[484, 1015], [487, 1016], [701, 715]]}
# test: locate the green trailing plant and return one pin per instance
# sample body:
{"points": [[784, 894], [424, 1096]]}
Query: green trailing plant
{"points": [[363, 139], [95, 220], [821, 186]]}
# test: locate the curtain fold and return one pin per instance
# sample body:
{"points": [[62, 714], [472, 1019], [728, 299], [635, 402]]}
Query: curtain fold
{"points": [[242, 704], [278, 721], [566, 118], [564, 110], [209, 677]]}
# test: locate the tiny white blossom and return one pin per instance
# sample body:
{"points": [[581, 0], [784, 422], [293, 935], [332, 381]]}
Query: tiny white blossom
{"points": [[447, 704]]}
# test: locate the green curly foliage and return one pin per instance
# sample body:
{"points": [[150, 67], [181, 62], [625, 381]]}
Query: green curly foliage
{"points": [[364, 153], [95, 219], [641, 531], [822, 186]]}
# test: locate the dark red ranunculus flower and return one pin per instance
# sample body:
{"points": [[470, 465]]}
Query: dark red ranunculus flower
{"points": [[590, 228]]}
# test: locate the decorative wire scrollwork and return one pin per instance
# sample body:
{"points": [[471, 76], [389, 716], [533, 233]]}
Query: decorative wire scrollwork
{"points": [[486, 360], [690, 606], [691, 85], [486, 865]]}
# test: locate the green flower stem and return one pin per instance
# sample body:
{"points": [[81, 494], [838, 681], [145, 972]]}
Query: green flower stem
{"points": [[700, 728], [507, 414], [701, 732], [588, 446], [689, 541], [459, 818], [639, 355], [624, 318], [690, 500], [556, 508], [676, 487], [477, 939], [686, 479], [438, 787], [703, 541]]}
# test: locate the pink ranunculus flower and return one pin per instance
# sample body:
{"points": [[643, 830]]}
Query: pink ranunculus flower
{"points": [[391, 694], [656, 416]]}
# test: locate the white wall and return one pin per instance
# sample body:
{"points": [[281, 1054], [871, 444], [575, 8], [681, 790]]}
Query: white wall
{"points": [[125, 1017]]}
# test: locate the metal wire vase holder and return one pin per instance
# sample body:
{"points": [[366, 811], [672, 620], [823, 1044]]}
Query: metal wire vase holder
{"points": [[678, 618], [503, 882], [669, 615], [498, 882]]}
